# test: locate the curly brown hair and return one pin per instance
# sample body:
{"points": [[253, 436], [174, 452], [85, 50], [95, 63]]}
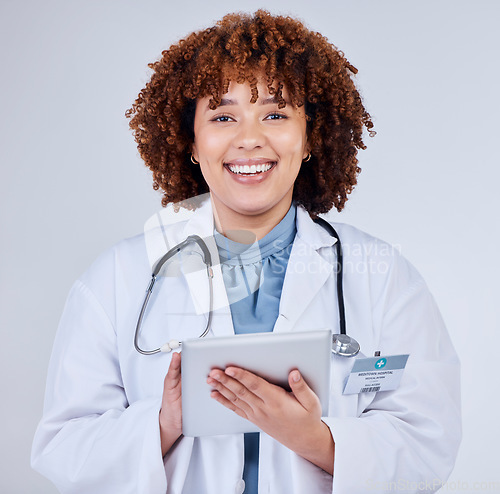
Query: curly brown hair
{"points": [[239, 46]]}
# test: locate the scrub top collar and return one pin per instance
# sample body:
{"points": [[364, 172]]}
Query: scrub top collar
{"points": [[278, 239]]}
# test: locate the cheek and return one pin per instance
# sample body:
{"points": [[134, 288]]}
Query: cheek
{"points": [[209, 176], [290, 143], [210, 145]]}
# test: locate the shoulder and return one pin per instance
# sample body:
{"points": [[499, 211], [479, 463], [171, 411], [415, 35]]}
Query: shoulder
{"points": [[123, 263], [352, 237], [367, 255], [162, 230], [358, 243]]}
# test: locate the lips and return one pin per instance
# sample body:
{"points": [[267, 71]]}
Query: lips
{"points": [[249, 167]]}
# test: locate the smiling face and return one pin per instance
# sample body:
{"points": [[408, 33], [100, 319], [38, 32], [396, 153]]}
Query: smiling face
{"points": [[250, 155]]}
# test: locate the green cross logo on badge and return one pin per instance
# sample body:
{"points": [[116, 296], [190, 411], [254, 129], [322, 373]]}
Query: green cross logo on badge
{"points": [[380, 363]]}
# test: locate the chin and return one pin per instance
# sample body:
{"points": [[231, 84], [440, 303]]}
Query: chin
{"points": [[249, 204], [255, 208], [252, 209]]}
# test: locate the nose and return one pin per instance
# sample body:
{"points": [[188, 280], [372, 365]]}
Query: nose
{"points": [[250, 135]]}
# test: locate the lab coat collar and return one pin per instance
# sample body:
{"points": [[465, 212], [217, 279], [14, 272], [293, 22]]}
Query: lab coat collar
{"points": [[166, 229], [312, 234], [306, 273], [201, 223]]}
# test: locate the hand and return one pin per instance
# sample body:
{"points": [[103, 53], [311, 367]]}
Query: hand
{"points": [[171, 405], [293, 419]]}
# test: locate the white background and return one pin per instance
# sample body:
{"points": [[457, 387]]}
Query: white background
{"points": [[72, 183]]}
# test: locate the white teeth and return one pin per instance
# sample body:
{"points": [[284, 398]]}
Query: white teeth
{"points": [[250, 170]]}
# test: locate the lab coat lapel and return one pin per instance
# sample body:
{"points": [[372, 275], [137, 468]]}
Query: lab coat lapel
{"points": [[202, 224], [307, 271]]}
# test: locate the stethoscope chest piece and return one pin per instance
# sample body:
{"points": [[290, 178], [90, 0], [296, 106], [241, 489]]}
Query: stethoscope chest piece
{"points": [[344, 345]]}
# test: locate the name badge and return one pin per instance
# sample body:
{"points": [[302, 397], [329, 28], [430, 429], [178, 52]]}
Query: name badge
{"points": [[375, 374]]}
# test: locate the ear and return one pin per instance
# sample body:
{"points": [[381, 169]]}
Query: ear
{"points": [[194, 152], [307, 150]]}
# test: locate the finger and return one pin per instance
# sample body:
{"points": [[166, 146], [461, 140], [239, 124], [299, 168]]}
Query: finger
{"points": [[229, 399], [234, 390], [257, 386], [171, 409], [173, 377], [302, 392], [216, 395], [216, 385]]}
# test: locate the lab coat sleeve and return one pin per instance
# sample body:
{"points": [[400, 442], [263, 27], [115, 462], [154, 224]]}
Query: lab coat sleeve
{"points": [[90, 439], [404, 440]]}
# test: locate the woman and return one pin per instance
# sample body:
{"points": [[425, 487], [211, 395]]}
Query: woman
{"points": [[262, 115]]}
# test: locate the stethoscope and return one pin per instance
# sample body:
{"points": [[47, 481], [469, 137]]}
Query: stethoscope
{"points": [[342, 344]]}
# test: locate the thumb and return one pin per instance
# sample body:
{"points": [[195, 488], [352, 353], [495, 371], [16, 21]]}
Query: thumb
{"points": [[302, 392], [173, 378]]}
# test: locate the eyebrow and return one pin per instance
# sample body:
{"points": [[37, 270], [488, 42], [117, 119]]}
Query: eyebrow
{"points": [[267, 101]]}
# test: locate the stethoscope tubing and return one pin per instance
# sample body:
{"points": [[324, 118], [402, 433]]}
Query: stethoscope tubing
{"points": [[342, 344], [207, 259], [340, 273]]}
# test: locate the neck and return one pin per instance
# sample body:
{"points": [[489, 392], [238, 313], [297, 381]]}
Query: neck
{"points": [[245, 228]]}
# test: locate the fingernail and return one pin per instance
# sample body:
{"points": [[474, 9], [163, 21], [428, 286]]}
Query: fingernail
{"points": [[230, 372], [296, 377]]}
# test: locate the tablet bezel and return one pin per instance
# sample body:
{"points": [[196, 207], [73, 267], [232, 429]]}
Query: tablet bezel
{"points": [[269, 355]]}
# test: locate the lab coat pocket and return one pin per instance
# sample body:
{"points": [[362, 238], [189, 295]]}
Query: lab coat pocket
{"points": [[341, 405], [345, 405]]}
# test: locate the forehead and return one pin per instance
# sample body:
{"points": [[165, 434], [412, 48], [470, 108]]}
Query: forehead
{"points": [[258, 92]]}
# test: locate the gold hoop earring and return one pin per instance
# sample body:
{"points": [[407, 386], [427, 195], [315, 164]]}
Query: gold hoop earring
{"points": [[307, 158], [194, 161]]}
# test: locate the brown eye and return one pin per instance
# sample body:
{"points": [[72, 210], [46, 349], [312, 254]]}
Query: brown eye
{"points": [[276, 116], [222, 118]]}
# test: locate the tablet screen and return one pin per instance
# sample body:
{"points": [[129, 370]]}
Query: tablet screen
{"points": [[269, 355]]}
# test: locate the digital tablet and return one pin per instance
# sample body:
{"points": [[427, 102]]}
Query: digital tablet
{"points": [[269, 355]]}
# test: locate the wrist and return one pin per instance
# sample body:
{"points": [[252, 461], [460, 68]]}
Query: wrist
{"points": [[320, 448], [168, 435]]}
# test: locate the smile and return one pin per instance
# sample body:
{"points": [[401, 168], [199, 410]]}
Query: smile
{"points": [[249, 169]]}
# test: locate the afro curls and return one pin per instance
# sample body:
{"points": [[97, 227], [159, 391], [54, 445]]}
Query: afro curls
{"points": [[315, 73]]}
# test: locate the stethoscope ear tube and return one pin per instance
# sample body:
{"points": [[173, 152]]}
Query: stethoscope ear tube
{"points": [[342, 344], [149, 291], [207, 259]]}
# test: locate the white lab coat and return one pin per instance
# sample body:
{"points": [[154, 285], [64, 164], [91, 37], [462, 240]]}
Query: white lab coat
{"points": [[100, 432]]}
